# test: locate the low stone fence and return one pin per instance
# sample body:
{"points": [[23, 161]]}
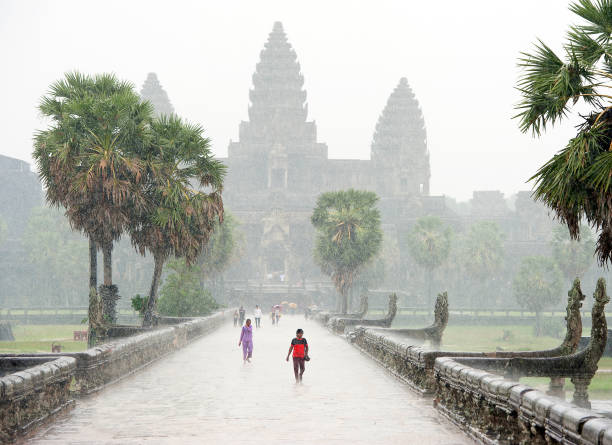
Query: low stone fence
{"points": [[411, 363], [51, 386], [488, 407], [33, 389], [492, 409]]}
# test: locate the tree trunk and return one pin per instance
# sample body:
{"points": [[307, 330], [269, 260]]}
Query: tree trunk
{"points": [[152, 301], [344, 299], [107, 251], [429, 283], [93, 288], [109, 293], [93, 264]]}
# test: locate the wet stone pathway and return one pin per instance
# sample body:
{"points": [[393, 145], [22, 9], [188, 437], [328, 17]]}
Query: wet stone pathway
{"points": [[204, 394]]}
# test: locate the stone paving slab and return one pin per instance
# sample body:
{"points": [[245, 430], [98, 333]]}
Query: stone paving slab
{"points": [[204, 394]]}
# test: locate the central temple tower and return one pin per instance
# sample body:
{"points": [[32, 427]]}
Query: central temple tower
{"points": [[273, 167], [278, 148]]}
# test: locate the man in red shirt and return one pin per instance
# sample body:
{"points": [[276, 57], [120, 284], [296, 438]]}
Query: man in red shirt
{"points": [[299, 346]]}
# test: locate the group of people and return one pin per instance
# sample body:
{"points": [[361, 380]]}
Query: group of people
{"points": [[298, 348], [239, 315]]}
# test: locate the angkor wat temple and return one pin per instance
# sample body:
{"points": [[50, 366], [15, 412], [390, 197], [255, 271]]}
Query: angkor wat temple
{"points": [[277, 169]]}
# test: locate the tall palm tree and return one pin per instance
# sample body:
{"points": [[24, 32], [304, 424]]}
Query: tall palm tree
{"points": [[576, 182], [178, 220], [429, 244], [88, 161], [348, 236], [481, 255]]}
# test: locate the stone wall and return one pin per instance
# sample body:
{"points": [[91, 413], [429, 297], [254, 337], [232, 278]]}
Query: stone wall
{"points": [[492, 409], [37, 389], [44, 384], [488, 407]]}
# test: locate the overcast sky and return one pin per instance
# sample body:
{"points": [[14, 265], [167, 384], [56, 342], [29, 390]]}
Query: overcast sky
{"points": [[459, 58]]}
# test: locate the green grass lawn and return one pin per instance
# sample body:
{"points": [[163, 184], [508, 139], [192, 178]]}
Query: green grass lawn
{"points": [[521, 338], [489, 338], [38, 338], [599, 389]]}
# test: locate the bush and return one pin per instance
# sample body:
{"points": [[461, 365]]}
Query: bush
{"points": [[552, 327], [139, 303], [182, 294]]}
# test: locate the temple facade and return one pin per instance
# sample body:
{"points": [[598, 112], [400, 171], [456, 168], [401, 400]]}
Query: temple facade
{"points": [[278, 167]]}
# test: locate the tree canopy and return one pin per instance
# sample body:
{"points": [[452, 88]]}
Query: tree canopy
{"points": [[482, 250], [88, 161], [181, 295], [574, 257], [177, 220], [575, 183], [429, 244], [56, 253], [348, 235], [221, 249], [537, 284]]}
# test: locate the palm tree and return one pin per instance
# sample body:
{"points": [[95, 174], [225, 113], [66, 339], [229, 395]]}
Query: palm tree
{"points": [[575, 183], [178, 220], [482, 255], [348, 236], [573, 257], [537, 284], [222, 249], [429, 244], [88, 161]]}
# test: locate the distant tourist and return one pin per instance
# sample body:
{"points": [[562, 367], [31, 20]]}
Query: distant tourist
{"points": [[299, 346], [257, 316], [246, 339], [242, 312], [236, 318], [277, 314], [272, 315]]}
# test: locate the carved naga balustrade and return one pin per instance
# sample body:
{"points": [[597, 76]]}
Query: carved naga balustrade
{"points": [[414, 364], [579, 366], [325, 316], [340, 324], [433, 333], [332, 322]]}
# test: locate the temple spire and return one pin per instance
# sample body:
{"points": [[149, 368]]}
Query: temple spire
{"points": [[277, 97], [400, 141], [154, 93]]}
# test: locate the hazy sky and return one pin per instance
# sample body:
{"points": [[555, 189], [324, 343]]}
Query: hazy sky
{"points": [[459, 58]]}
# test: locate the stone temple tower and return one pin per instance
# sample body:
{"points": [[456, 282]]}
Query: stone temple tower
{"points": [[399, 146], [276, 167], [278, 148], [154, 93]]}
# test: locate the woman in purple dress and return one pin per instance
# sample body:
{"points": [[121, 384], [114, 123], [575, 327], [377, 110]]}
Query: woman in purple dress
{"points": [[246, 339]]}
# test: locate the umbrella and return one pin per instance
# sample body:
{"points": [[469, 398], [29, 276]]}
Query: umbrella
{"points": [[292, 305], [277, 306], [284, 302]]}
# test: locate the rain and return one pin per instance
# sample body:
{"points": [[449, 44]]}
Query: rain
{"points": [[357, 222]]}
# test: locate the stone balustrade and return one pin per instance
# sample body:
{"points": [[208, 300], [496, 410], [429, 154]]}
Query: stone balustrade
{"points": [[340, 324], [494, 408], [45, 384], [31, 390]]}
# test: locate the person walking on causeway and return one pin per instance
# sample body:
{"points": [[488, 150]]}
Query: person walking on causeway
{"points": [[246, 339], [242, 312], [299, 346]]}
